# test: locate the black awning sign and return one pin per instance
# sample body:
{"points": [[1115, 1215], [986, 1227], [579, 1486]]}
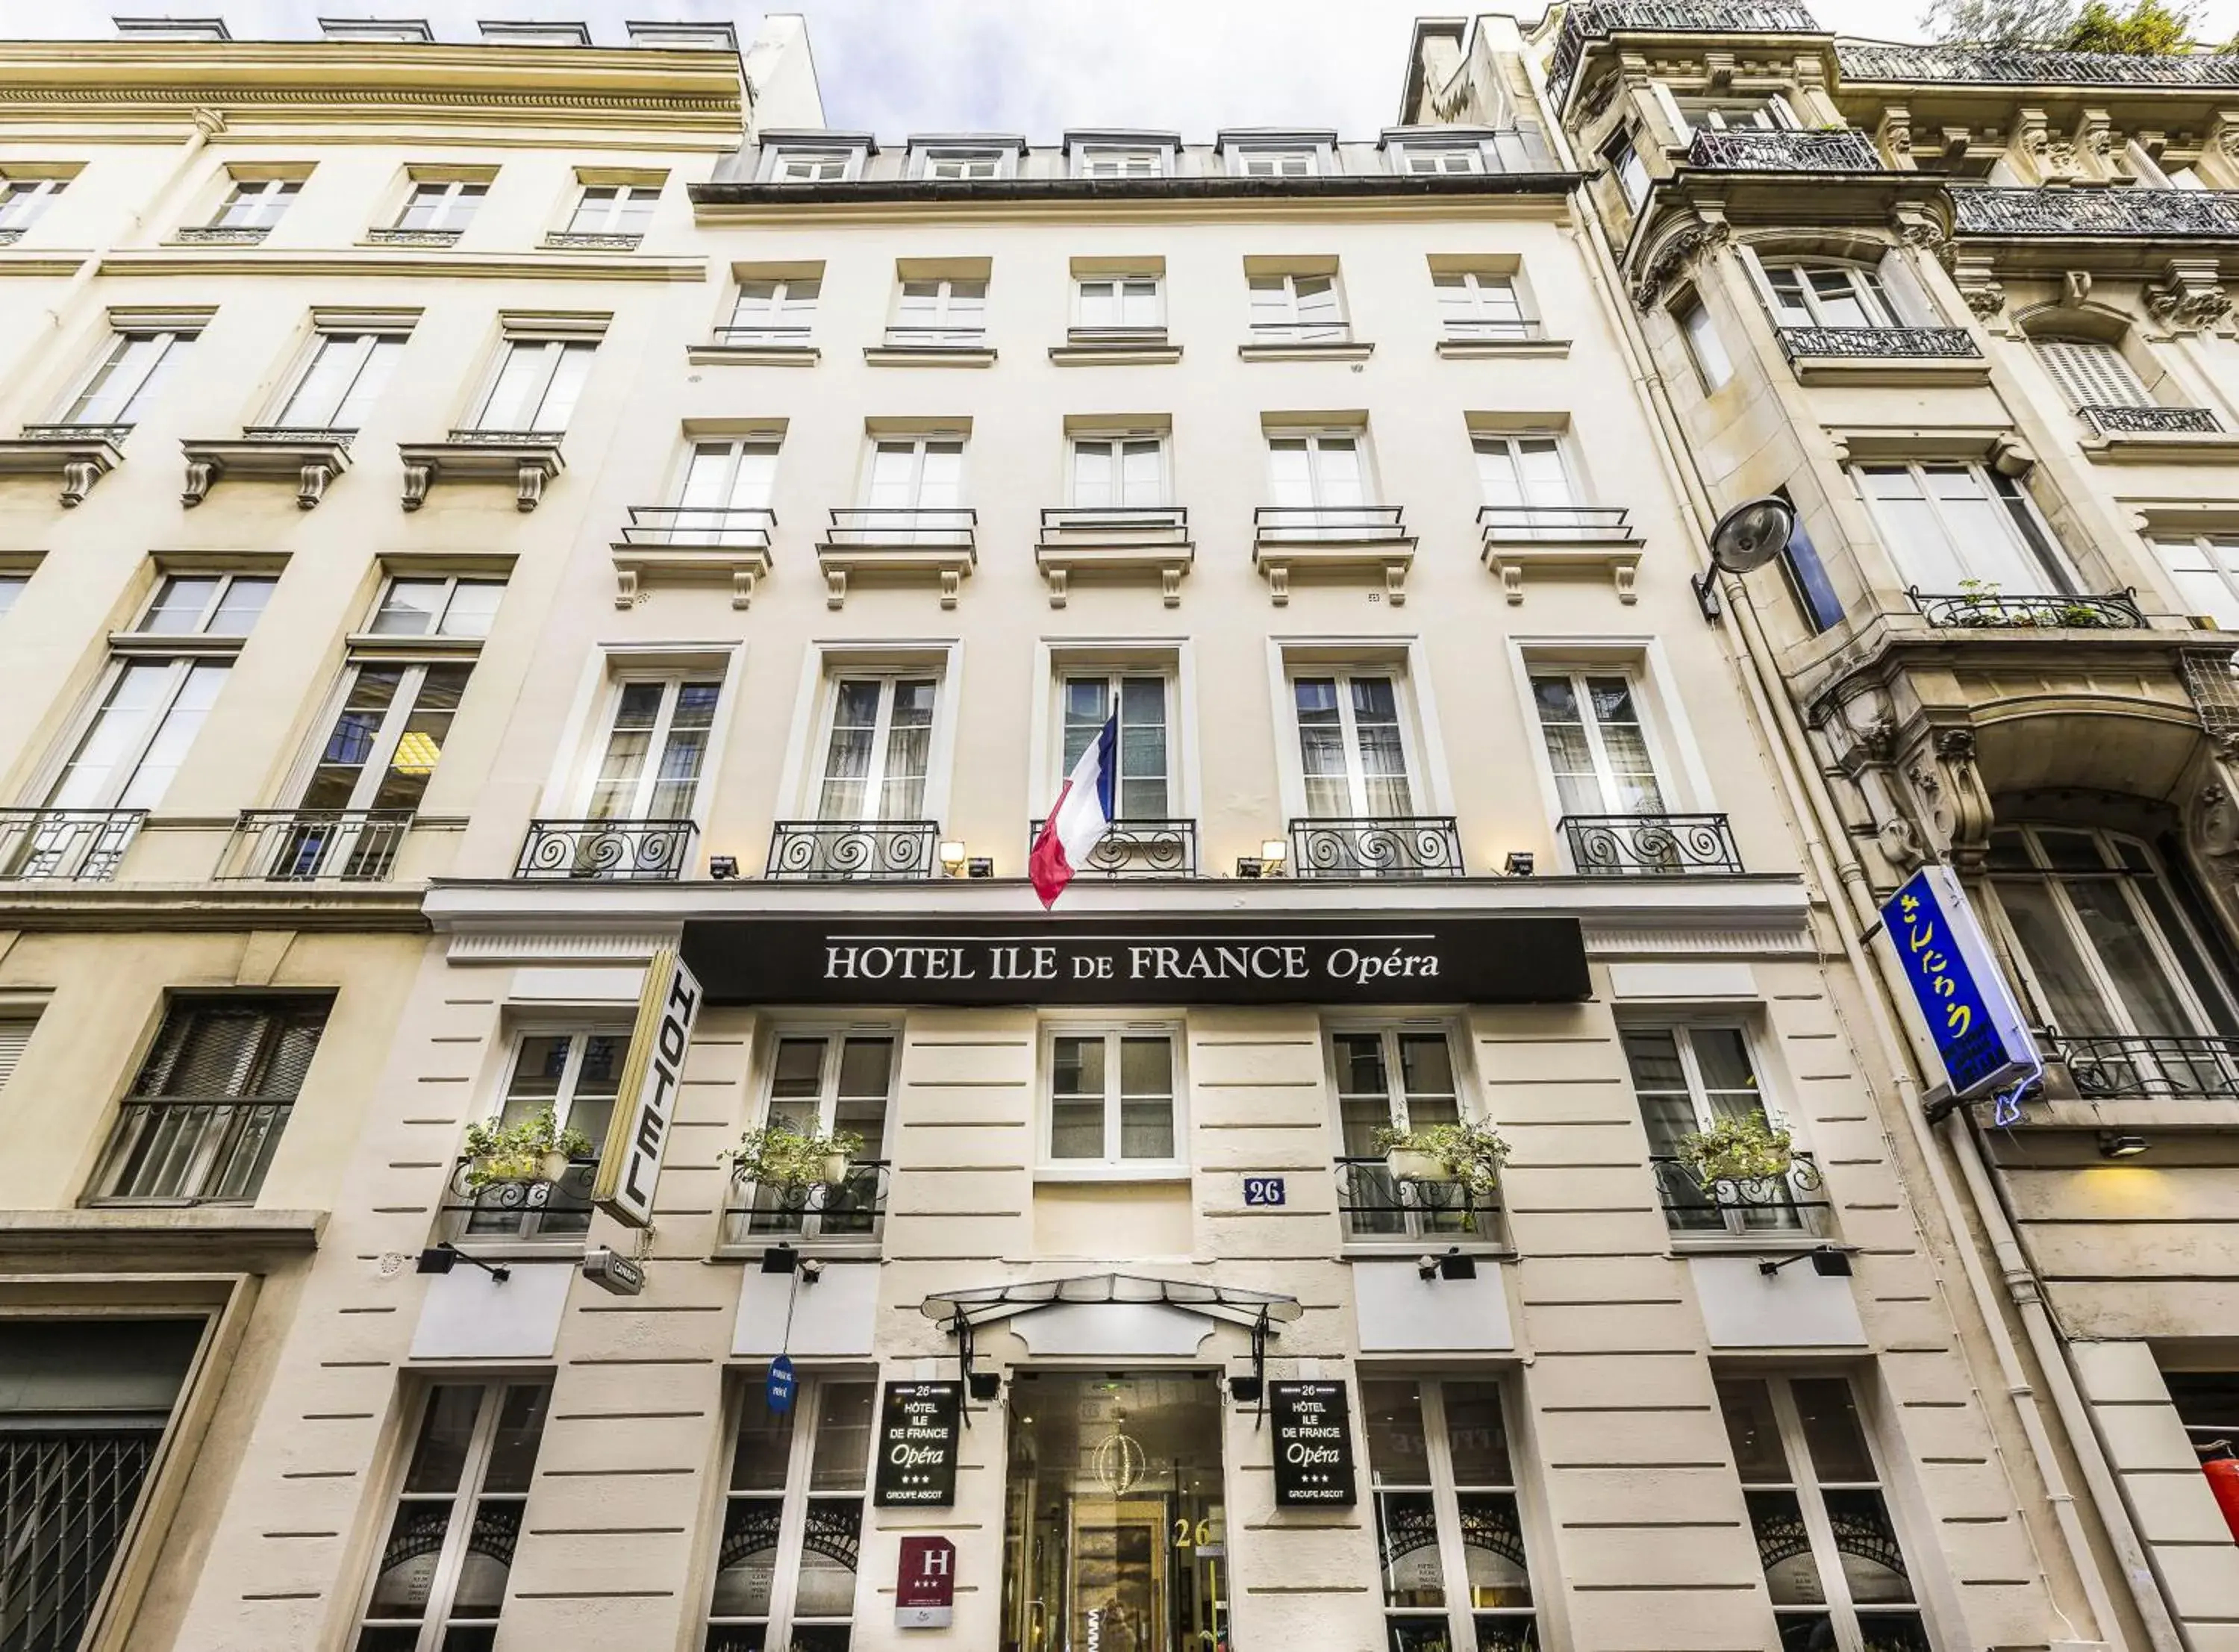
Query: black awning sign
{"points": [[917, 1445], [1313, 1444]]}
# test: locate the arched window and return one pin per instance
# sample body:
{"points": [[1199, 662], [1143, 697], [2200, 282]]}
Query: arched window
{"points": [[2091, 373], [1823, 293]]}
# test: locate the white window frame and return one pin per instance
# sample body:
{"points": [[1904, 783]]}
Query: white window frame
{"points": [[1411, 1219], [1706, 349], [368, 342], [374, 770], [650, 776], [1113, 674], [395, 31], [1315, 439], [451, 584], [1419, 789], [1111, 1167], [1121, 161], [1485, 444], [2219, 552], [745, 1203], [555, 347], [1475, 317], [24, 200], [256, 203], [2059, 574], [18, 1022], [919, 442], [1672, 747], [995, 158], [1868, 291], [874, 776], [782, 160], [1467, 1106], [457, 199], [935, 326], [1295, 327], [783, 302], [2091, 373], [613, 216], [808, 740], [131, 405], [506, 1226], [1606, 775], [1118, 282], [1628, 169], [1777, 113], [12, 584], [222, 589], [1118, 440], [1241, 157], [126, 770], [1471, 155]]}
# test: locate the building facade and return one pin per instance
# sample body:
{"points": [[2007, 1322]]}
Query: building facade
{"points": [[677, 529], [1964, 309]]}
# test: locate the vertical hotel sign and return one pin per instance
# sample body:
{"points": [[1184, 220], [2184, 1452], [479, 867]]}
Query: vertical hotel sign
{"points": [[1975, 1024], [629, 1163]]}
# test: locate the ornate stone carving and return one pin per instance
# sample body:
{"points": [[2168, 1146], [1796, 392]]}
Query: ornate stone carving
{"points": [[1900, 843], [1986, 299], [1681, 248], [2190, 297]]}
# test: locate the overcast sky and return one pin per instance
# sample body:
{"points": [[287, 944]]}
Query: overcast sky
{"points": [[1031, 66]]}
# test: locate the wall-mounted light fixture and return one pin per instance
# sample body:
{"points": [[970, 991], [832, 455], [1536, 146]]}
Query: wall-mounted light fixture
{"points": [[441, 1258], [979, 867], [1828, 1261], [1518, 864], [1746, 539], [952, 856], [1452, 1265], [2115, 1145], [722, 868]]}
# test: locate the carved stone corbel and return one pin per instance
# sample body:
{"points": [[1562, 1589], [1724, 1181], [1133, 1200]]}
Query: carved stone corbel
{"points": [[201, 473], [416, 478], [1680, 249], [529, 488], [2189, 296], [1894, 134], [2100, 146], [1974, 274], [1954, 801], [311, 485]]}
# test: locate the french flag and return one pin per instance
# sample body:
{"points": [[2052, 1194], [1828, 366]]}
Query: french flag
{"points": [[1082, 817]]}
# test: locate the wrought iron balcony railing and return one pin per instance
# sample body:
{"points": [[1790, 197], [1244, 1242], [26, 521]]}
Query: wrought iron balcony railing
{"points": [[520, 1210], [1328, 524], [2128, 1065], [590, 240], [1992, 609], [1595, 22], [1751, 149], [221, 234], [2116, 419], [744, 527], [479, 438], [856, 1209], [1116, 337], [1879, 343], [303, 433], [1373, 1204], [1127, 524], [781, 338], [1793, 1203], [1403, 847], [1986, 210], [191, 1150], [618, 851], [1552, 524], [841, 850], [1302, 332], [112, 434], [953, 527], [1475, 330], [82, 845], [312, 846], [1649, 845], [1137, 849], [395, 235], [1988, 65], [936, 338]]}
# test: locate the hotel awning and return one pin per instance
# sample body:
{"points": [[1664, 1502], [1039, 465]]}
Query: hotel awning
{"points": [[985, 1305]]}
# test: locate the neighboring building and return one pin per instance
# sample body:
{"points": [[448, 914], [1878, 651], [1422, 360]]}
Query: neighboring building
{"points": [[643, 518], [1965, 310]]}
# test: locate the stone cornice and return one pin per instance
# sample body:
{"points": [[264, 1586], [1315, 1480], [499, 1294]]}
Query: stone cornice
{"points": [[60, 906], [1538, 195], [257, 261]]}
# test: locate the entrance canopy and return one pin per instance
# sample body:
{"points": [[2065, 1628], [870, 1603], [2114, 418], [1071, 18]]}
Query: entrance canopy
{"points": [[985, 1305]]}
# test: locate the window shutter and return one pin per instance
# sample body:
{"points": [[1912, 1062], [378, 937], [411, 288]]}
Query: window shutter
{"points": [[2091, 373], [15, 1033]]}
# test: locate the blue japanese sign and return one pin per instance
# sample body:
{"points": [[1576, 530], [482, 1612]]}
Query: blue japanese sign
{"points": [[779, 1389], [1972, 1018]]}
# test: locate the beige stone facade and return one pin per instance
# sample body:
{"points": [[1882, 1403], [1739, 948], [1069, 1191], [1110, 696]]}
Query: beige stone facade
{"points": [[727, 540]]}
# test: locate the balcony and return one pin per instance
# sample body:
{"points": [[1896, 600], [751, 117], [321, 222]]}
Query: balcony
{"points": [[72, 845], [2119, 419], [314, 845], [1375, 1205], [589, 240], [608, 851], [1365, 539], [855, 1211], [2202, 214], [845, 851], [1598, 21], [175, 1150], [1303, 340], [766, 346], [932, 346], [2137, 1066], [310, 458], [1744, 1206], [1399, 847], [81, 454], [390, 236], [528, 459], [1748, 149], [1990, 610], [1137, 849], [1989, 66], [1885, 355], [1094, 346], [1558, 539], [687, 543], [519, 1211], [1649, 845], [899, 540], [1114, 542], [221, 234]]}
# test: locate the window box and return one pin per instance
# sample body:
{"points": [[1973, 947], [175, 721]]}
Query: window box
{"points": [[311, 459], [829, 1100]]}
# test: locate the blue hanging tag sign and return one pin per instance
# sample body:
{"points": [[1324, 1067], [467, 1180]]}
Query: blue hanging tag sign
{"points": [[779, 1388], [1972, 1018]]}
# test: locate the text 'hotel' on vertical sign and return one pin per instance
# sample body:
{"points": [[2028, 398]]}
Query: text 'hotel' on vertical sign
{"points": [[1314, 1444], [917, 1445], [1972, 1018], [645, 1106]]}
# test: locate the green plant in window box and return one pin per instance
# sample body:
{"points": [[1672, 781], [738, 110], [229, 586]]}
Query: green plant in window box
{"points": [[534, 1150], [780, 1157], [1748, 1147], [1469, 1153]]}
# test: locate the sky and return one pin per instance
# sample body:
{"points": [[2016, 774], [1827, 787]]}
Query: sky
{"points": [[1035, 67]]}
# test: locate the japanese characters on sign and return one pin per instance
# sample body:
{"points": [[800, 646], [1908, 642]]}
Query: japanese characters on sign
{"points": [[1973, 1020]]}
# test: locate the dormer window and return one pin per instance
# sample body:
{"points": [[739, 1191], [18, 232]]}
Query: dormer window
{"points": [[811, 165], [1104, 162], [1273, 164], [1436, 159]]}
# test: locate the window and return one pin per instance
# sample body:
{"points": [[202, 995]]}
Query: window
{"points": [[438, 206], [256, 203], [914, 477], [656, 746], [1597, 745], [1401, 1079], [1109, 162], [11, 586], [774, 312], [1449, 1528], [1950, 526], [1686, 1077], [447, 607], [1299, 309], [399, 30], [793, 1519], [1321, 474], [1479, 305], [1828, 295], [388, 738], [215, 604], [340, 383], [828, 1084], [725, 494], [941, 311], [536, 386], [1435, 159], [1131, 303], [1833, 1563], [2091, 374], [2205, 570], [811, 166], [442, 1582], [574, 1074], [1704, 347], [205, 1115], [1352, 748], [16, 1028], [1767, 114], [1112, 1098], [684, 36], [1142, 789], [1525, 481], [1626, 166], [501, 32], [1117, 473], [1273, 164], [1807, 584], [614, 209], [122, 386], [951, 166], [880, 748], [22, 200], [171, 28]]}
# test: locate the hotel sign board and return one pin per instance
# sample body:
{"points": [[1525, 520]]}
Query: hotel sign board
{"points": [[1368, 959], [1313, 1444], [637, 1140], [917, 1443]]}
